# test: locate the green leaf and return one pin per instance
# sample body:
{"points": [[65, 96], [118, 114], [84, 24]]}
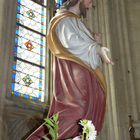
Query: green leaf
{"points": [[48, 121], [51, 131], [51, 119], [56, 128], [55, 117], [45, 138], [52, 125]]}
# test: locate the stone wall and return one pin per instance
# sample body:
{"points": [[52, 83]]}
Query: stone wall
{"points": [[118, 21], [18, 117], [133, 10]]}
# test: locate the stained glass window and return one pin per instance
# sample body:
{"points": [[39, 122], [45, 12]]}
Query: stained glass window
{"points": [[28, 77], [58, 3]]}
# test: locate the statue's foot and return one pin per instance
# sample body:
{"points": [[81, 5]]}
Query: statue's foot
{"points": [[77, 138]]}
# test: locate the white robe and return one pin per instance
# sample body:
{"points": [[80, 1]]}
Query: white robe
{"points": [[74, 36]]}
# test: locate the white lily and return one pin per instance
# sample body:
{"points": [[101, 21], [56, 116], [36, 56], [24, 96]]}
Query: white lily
{"points": [[89, 129]]}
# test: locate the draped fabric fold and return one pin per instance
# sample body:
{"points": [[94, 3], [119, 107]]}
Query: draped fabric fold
{"points": [[79, 92], [59, 51], [78, 95]]}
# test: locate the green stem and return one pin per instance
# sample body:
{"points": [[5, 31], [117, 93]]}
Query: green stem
{"points": [[86, 136], [83, 136]]}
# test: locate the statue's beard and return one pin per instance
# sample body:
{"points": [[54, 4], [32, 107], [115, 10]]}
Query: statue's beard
{"points": [[83, 10]]}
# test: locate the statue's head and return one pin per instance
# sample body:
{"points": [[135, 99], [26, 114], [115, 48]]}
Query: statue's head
{"points": [[83, 5]]}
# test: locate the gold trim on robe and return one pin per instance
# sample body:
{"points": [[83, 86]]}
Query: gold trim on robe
{"points": [[59, 51]]}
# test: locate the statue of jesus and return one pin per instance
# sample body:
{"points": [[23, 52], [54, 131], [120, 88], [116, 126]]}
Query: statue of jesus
{"points": [[79, 88]]}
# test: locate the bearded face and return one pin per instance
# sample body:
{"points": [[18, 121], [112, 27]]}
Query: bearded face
{"points": [[87, 3], [83, 10], [84, 6]]}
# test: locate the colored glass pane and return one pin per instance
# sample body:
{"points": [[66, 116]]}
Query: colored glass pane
{"points": [[27, 34], [28, 76], [35, 54], [32, 15], [28, 79], [29, 45], [58, 3]]}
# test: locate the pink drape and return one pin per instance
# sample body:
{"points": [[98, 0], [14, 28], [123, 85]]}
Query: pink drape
{"points": [[77, 95]]}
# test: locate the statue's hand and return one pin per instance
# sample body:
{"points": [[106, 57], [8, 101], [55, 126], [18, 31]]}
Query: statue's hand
{"points": [[103, 54], [97, 37]]}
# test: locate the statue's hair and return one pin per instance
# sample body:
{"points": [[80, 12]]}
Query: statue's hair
{"points": [[68, 3]]}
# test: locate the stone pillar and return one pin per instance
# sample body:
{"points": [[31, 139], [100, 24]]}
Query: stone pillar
{"points": [[110, 19], [17, 116], [110, 130], [4, 58], [133, 20], [123, 71]]}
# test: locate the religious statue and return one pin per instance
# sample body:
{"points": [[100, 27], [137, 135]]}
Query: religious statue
{"points": [[79, 84]]}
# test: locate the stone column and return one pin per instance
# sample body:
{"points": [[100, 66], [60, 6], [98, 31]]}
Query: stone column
{"points": [[110, 130], [111, 20], [17, 116], [4, 58], [123, 71]]}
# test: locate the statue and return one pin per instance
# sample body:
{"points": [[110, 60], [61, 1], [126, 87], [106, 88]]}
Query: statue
{"points": [[79, 84]]}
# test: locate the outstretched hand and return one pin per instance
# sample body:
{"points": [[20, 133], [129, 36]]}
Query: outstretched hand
{"points": [[103, 54]]}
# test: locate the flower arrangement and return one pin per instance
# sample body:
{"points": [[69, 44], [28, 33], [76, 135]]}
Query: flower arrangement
{"points": [[89, 132]]}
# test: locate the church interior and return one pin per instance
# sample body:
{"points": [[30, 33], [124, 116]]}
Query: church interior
{"points": [[23, 105]]}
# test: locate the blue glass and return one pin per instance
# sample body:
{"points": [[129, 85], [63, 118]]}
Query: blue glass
{"points": [[28, 77], [16, 40], [58, 4], [18, 8], [17, 93], [60, 1], [14, 67], [17, 31], [18, 16], [26, 96], [34, 98], [13, 76], [13, 85]]}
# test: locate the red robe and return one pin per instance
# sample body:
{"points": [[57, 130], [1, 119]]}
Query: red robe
{"points": [[79, 93]]}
